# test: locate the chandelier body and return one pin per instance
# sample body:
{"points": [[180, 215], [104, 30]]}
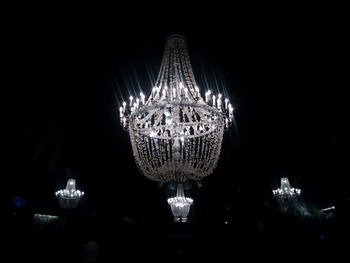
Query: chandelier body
{"points": [[180, 205], [69, 197], [286, 191], [289, 199], [176, 134]]}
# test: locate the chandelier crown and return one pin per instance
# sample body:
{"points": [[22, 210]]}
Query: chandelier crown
{"points": [[175, 133]]}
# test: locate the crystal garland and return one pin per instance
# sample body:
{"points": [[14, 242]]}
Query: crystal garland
{"points": [[180, 205], [286, 191], [175, 133], [69, 197]]}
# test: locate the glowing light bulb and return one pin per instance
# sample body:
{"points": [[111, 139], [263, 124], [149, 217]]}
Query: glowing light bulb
{"points": [[218, 102], [124, 106], [186, 92], [142, 98]]}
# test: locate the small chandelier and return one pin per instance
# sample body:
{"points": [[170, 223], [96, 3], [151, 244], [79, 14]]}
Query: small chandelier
{"points": [[175, 133], [286, 191], [69, 197], [180, 205]]}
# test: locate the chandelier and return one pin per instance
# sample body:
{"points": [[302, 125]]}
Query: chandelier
{"points": [[69, 197], [175, 133], [180, 205], [286, 191]]}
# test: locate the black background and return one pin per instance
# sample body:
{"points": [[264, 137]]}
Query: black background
{"points": [[67, 80]]}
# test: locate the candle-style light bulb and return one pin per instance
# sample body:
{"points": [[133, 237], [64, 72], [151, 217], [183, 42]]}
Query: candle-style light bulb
{"points": [[142, 98], [186, 92], [124, 106], [226, 103], [219, 101], [230, 110], [197, 91]]}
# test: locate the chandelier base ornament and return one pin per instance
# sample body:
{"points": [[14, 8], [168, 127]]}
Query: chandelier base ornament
{"points": [[176, 134]]}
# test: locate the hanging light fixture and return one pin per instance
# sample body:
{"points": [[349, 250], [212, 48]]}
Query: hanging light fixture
{"points": [[175, 133], [69, 197], [180, 205], [286, 191]]}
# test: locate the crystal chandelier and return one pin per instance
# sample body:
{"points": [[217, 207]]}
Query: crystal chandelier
{"points": [[69, 197], [175, 133], [180, 205], [286, 191]]}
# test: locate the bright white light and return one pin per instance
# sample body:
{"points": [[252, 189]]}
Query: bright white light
{"points": [[197, 91], [327, 209], [186, 92]]}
